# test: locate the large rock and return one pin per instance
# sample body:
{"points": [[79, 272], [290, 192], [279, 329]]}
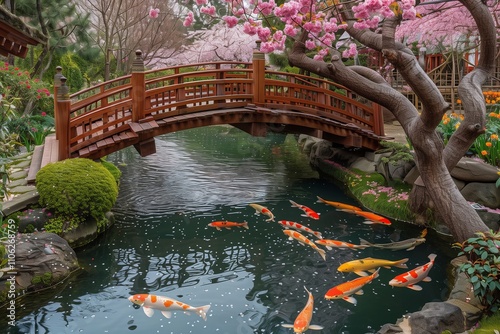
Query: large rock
{"points": [[486, 194], [473, 170], [436, 317], [42, 259]]}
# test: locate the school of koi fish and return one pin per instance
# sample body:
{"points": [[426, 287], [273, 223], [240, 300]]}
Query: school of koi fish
{"points": [[367, 268]]}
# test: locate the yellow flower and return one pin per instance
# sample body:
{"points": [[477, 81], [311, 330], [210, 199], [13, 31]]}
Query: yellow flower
{"points": [[483, 152], [457, 125], [494, 136], [459, 101], [446, 121], [488, 144], [492, 114]]}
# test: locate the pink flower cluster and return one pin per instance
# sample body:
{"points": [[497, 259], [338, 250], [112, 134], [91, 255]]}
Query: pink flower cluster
{"points": [[154, 12]]}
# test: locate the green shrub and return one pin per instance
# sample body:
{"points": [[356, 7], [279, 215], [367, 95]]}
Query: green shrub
{"points": [[76, 187], [483, 268], [117, 173]]}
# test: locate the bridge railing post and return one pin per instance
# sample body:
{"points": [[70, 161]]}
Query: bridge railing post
{"points": [[62, 120], [378, 120], [138, 83], [57, 84], [259, 74]]}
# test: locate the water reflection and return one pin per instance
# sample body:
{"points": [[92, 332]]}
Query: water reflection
{"points": [[254, 279]]}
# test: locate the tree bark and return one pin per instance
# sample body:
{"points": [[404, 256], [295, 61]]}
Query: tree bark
{"points": [[436, 190]]}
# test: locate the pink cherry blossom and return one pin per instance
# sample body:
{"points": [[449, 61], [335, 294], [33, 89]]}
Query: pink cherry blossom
{"points": [[188, 21], [209, 10], [154, 12], [231, 21]]}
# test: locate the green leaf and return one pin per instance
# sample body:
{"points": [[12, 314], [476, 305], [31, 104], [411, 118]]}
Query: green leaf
{"points": [[473, 279], [471, 271], [484, 256], [494, 250]]}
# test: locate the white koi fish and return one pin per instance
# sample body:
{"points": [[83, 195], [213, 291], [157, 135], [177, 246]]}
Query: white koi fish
{"points": [[263, 210], [308, 212], [303, 320], [289, 224], [303, 240], [166, 305], [413, 276], [345, 290], [408, 244]]}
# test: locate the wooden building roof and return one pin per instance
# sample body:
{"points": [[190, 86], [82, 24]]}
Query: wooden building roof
{"points": [[15, 35]]}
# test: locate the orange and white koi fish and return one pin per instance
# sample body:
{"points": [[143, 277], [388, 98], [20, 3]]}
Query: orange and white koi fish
{"points": [[303, 240], [359, 267], [166, 305], [372, 218], [303, 320], [345, 290], [330, 244], [308, 212], [219, 225], [263, 210], [338, 205], [413, 276], [300, 227]]}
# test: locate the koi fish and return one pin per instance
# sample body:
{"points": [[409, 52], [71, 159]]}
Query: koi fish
{"points": [[166, 305], [369, 264], [339, 206], [219, 225], [308, 212], [345, 290], [303, 240], [372, 218], [330, 244], [263, 210], [408, 244], [300, 227], [303, 320], [413, 276]]}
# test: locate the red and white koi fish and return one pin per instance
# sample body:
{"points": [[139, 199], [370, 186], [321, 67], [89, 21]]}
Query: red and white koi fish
{"points": [[338, 205], [263, 210], [330, 244], [303, 320], [413, 276], [308, 212], [300, 227], [303, 240], [372, 218], [219, 225], [166, 305], [345, 290], [369, 264]]}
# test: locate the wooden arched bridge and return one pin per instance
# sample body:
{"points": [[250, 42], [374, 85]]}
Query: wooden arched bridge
{"points": [[133, 109]]}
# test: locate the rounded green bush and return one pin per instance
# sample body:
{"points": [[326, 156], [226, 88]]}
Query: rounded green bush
{"points": [[77, 187]]}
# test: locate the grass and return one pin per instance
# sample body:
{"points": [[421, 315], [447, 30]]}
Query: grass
{"points": [[488, 325]]}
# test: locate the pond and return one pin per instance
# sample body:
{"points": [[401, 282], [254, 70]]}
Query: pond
{"points": [[253, 279]]}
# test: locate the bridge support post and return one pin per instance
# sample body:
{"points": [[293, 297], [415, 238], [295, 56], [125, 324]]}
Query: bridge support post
{"points": [[138, 87], [259, 72], [62, 121], [57, 84]]}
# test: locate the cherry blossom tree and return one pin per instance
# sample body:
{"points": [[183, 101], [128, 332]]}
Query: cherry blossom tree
{"points": [[214, 44], [315, 25]]}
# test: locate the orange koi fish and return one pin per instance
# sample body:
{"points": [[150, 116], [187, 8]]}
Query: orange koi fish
{"points": [[330, 244], [303, 240], [263, 210], [308, 212], [413, 276], [219, 225], [300, 227], [372, 218], [338, 205], [166, 305], [369, 264], [303, 320], [345, 290]]}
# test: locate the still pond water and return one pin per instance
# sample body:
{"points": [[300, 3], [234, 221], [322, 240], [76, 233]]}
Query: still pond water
{"points": [[253, 278]]}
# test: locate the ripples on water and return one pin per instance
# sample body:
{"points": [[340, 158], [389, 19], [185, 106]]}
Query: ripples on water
{"points": [[253, 279]]}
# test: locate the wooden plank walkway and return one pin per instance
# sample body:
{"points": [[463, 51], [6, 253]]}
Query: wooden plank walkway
{"points": [[43, 155]]}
